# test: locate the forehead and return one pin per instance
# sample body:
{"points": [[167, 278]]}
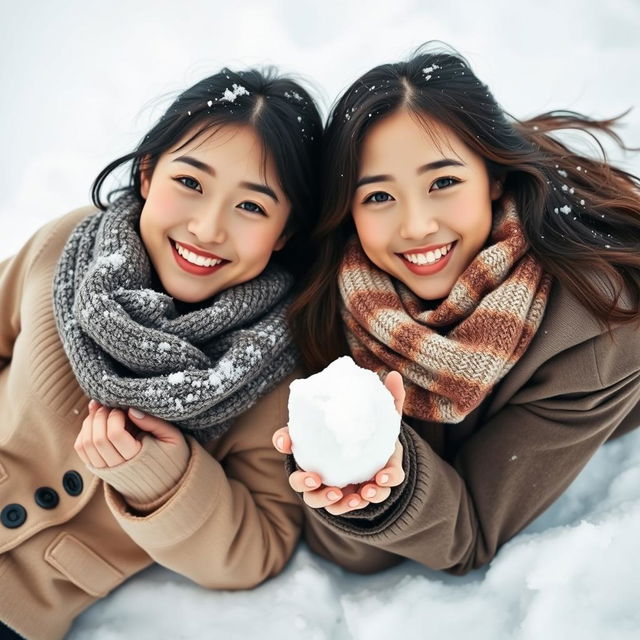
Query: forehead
{"points": [[406, 136], [232, 138]]}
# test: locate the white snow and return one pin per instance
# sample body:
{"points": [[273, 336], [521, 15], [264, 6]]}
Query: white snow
{"points": [[343, 423], [115, 260], [176, 378], [236, 90], [575, 572]]}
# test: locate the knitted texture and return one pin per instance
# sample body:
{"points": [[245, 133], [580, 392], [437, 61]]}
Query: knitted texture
{"points": [[130, 347], [451, 356]]}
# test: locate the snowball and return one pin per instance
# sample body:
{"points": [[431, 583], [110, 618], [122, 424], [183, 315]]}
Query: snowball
{"points": [[343, 423]]}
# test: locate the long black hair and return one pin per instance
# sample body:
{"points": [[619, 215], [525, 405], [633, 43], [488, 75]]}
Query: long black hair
{"points": [[286, 120], [581, 216]]}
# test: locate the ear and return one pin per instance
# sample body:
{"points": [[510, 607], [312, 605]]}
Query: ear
{"points": [[496, 189], [145, 177], [282, 240]]}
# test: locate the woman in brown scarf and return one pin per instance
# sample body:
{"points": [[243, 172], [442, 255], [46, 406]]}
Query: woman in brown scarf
{"points": [[498, 273]]}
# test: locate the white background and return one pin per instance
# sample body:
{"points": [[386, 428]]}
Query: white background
{"points": [[81, 82]]}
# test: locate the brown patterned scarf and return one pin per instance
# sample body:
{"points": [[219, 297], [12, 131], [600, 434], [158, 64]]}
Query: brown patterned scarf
{"points": [[452, 356]]}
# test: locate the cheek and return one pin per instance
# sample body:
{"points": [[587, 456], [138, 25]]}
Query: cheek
{"points": [[257, 245], [160, 210], [471, 218], [372, 231]]}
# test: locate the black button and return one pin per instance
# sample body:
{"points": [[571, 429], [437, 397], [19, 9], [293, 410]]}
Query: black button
{"points": [[72, 483], [46, 497], [13, 516]]}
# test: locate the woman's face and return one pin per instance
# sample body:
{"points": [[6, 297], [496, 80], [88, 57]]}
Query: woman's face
{"points": [[213, 213], [422, 207]]}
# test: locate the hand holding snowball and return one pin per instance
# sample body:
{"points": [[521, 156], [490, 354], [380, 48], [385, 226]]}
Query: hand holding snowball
{"points": [[354, 495]]}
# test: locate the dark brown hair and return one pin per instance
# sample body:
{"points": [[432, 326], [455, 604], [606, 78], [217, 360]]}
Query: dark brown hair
{"points": [[581, 216]]}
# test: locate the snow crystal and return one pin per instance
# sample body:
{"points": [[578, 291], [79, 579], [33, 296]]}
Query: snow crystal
{"points": [[343, 423], [115, 260], [565, 187], [431, 69], [562, 172], [566, 209], [176, 378], [226, 367], [299, 118], [209, 103], [230, 95], [164, 346], [293, 94]]}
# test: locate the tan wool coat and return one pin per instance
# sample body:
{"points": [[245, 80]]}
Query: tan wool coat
{"points": [[222, 515]]}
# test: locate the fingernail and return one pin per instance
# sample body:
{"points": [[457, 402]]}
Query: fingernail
{"points": [[354, 502], [136, 413], [310, 482], [280, 442], [92, 404], [384, 478], [370, 492], [332, 495]]}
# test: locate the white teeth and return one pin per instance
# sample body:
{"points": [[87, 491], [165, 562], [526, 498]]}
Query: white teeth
{"points": [[429, 257], [194, 258]]}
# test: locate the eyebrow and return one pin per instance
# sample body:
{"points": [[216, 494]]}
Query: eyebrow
{"points": [[253, 186], [430, 166]]}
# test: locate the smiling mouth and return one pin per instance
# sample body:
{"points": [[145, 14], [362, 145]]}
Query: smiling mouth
{"points": [[194, 263], [428, 262]]}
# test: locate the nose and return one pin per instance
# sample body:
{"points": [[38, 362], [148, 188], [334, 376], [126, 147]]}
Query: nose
{"points": [[417, 221], [208, 226]]}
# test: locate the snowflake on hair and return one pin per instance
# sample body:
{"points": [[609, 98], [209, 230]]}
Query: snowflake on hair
{"points": [[230, 95]]}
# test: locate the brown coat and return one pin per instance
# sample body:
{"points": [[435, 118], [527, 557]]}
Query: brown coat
{"points": [[230, 521], [472, 486]]}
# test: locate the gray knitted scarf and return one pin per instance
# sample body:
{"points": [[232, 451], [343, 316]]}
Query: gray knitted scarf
{"points": [[129, 346]]}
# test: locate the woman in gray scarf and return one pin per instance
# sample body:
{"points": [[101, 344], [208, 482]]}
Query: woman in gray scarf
{"points": [[170, 307]]}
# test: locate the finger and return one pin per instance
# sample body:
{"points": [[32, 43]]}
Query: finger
{"points": [[100, 437], [350, 502], [78, 444], [93, 406], [122, 441], [393, 382], [302, 481], [322, 497], [374, 493], [157, 427], [88, 445], [282, 441], [393, 473]]}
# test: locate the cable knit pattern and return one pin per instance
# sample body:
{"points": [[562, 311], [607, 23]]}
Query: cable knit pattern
{"points": [[451, 356], [130, 347]]}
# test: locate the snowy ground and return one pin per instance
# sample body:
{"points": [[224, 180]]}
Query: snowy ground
{"points": [[82, 82]]}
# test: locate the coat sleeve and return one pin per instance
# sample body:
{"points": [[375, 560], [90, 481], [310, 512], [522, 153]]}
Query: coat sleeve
{"points": [[14, 274], [455, 516], [231, 521]]}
